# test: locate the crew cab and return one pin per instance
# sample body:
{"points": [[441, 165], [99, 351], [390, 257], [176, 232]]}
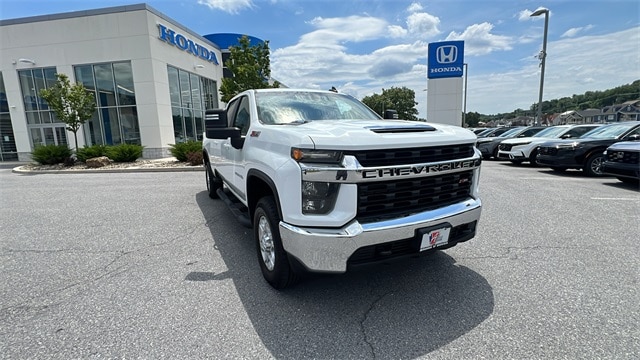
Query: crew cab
{"points": [[327, 184]]}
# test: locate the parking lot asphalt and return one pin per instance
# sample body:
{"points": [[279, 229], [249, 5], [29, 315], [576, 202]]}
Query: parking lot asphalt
{"points": [[146, 265]]}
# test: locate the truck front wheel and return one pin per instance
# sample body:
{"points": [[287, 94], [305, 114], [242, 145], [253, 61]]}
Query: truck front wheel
{"points": [[213, 182], [273, 260]]}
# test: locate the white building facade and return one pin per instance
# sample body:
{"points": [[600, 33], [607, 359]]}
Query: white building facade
{"points": [[151, 76]]}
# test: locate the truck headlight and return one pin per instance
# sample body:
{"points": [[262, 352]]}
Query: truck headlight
{"points": [[316, 156], [318, 197]]}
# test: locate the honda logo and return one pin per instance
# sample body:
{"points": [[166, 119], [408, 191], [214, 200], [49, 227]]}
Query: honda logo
{"points": [[447, 54]]}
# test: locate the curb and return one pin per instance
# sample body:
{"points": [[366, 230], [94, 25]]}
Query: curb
{"points": [[20, 170]]}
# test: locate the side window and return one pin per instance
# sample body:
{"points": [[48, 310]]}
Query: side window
{"points": [[242, 117], [529, 132], [635, 131], [579, 131], [231, 111]]}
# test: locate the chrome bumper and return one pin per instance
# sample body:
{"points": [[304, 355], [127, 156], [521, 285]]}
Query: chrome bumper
{"points": [[327, 250]]}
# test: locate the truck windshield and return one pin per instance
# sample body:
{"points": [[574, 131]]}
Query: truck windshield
{"points": [[298, 107]]}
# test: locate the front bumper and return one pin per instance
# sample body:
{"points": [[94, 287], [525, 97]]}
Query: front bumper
{"points": [[631, 171], [332, 250], [564, 159], [511, 155]]}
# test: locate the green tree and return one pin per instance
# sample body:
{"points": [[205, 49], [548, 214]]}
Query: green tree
{"points": [[472, 119], [377, 103], [250, 67], [401, 99], [72, 104]]}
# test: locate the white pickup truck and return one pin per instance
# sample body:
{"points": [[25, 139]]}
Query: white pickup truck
{"points": [[326, 184]]}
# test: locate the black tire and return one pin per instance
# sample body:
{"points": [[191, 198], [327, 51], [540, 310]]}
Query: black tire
{"points": [[593, 165], [213, 182], [532, 158], [274, 262]]}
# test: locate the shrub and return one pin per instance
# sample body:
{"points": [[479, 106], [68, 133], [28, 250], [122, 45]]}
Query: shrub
{"points": [[195, 158], [124, 152], [181, 150], [88, 152], [51, 154]]}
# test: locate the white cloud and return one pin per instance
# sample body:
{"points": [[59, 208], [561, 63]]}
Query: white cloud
{"points": [[230, 6], [396, 31], [414, 7], [423, 25], [575, 31], [480, 41]]}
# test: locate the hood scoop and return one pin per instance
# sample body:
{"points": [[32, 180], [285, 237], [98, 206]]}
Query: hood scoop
{"points": [[401, 129]]}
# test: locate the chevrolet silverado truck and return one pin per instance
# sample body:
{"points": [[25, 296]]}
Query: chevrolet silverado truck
{"points": [[326, 184]]}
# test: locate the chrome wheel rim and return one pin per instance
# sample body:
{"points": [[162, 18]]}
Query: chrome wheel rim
{"points": [[265, 236], [596, 166]]}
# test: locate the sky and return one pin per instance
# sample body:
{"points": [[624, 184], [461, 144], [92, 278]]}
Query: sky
{"points": [[364, 46]]}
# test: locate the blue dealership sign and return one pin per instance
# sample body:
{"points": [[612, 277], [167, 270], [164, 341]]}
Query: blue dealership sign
{"points": [[445, 59], [181, 42]]}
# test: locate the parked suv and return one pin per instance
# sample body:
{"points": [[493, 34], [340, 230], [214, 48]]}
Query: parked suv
{"points": [[488, 146], [524, 149], [586, 153], [622, 161]]}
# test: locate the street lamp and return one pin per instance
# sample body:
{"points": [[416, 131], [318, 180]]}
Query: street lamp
{"points": [[542, 56]]}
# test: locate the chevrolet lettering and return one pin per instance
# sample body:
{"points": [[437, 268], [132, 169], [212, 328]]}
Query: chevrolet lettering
{"points": [[419, 169]]}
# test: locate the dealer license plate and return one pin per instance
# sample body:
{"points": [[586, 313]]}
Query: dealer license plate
{"points": [[435, 238]]}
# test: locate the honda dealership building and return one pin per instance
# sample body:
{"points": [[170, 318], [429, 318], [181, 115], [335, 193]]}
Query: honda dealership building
{"points": [[152, 78]]}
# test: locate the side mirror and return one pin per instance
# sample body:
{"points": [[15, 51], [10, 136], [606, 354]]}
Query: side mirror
{"points": [[390, 114], [215, 119], [231, 133], [634, 137], [566, 136]]}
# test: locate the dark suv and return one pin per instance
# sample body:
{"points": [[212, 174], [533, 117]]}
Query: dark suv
{"points": [[586, 153]]}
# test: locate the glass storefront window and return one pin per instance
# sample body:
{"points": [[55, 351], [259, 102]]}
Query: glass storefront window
{"points": [[116, 118], [190, 94], [8, 151], [44, 127]]}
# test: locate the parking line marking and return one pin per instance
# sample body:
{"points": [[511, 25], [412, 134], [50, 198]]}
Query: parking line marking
{"points": [[616, 199]]}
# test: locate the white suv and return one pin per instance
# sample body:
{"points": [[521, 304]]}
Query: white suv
{"points": [[524, 149]]}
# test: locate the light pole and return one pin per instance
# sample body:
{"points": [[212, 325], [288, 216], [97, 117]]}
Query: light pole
{"points": [[542, 57], [464, 109]]}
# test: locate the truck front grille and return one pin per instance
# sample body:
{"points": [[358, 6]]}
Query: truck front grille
{"points": [[389, 157], [393, 199]]}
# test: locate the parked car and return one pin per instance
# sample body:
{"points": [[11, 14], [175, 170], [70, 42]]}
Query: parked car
{"points": [[488, 146], [477, 130], [495, 131], [622, 161], [586, 152], [524, 149]]}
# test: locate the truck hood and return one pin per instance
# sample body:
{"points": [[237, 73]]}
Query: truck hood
{"points": [[379, 134]]}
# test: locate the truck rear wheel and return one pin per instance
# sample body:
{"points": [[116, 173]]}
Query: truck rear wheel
{"points": [[213, 182], [273, 260]]}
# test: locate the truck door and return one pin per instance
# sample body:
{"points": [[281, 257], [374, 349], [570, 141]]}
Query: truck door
{"points": [[241, 120], [225, 163]]}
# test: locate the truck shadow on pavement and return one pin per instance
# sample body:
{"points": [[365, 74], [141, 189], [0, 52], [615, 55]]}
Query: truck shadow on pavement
{"points": [[399, 310]]}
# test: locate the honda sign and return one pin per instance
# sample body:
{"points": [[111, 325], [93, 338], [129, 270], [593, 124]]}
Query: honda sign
{"points": [[446, 59]]}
